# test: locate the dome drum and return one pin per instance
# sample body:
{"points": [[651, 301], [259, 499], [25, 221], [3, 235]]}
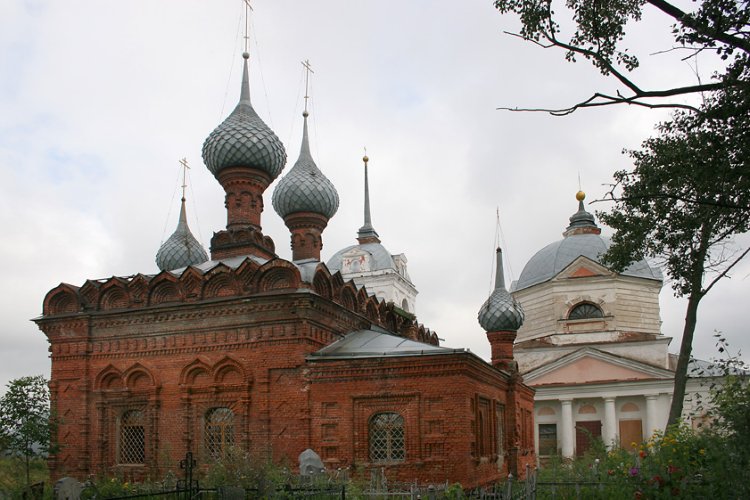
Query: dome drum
{"points": [[306, 234], [244, 195]]}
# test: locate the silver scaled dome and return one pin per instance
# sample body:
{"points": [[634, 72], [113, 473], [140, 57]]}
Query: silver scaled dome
{"points": [[305, 188], [181, 249], [244, 140], [500, 312]]}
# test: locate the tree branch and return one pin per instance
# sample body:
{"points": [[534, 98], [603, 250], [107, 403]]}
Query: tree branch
{"points": [[725, 271], [686, 20], [599, 99], [610, 196]]}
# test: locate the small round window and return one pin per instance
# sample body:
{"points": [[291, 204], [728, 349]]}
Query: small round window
{"points": [[585, 311]]}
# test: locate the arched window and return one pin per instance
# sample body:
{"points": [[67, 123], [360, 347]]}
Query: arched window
{"points": [[387, 437], [585, 310], [132, 438], [219, 431]]}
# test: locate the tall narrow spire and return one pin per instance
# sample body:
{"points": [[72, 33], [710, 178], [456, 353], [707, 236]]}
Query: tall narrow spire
{"points": [[182, 249], [245, 88], [367, 233], [499, 274]]}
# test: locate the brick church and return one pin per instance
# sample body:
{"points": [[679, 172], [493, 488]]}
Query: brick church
{"points": [[245, 349]]}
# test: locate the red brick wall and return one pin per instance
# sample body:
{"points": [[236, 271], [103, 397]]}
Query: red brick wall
{"points": [[176, 361]]}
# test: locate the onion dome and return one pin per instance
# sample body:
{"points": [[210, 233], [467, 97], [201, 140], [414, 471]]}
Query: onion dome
{"points": [[305, 188], [181, 249], [244, 140], [582, 238], [500, 312]]}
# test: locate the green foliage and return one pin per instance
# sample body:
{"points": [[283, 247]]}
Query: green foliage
{"points": [[26, 425], [12, 476]]}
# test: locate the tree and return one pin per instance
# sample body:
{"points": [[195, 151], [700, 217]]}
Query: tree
{"points": [[719, 27], [26, 424], [686, 199]]}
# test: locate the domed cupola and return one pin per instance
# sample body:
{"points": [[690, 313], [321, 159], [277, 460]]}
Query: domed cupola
{"points": [[500, 312], [582, 222], [245, 156], [181, 249], [306, 200], [244, 140], [501, 317], [581, 238]]}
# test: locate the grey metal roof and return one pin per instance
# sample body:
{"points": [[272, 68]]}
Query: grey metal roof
{"points": [[380, 258], [305, 188], [377, 342], [552, 259], [500, 312], [181, 249], [244, 140]]}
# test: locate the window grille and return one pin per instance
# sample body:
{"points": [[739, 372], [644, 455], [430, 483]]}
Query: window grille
{"points": [[132, 438], [387, 438], [219, 432], [547, 439], [585, 311]]}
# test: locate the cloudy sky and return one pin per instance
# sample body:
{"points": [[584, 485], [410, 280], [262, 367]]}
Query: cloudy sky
{"points": [[99, 100]]}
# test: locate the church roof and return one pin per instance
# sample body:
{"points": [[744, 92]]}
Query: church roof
{"points": [[377, 342], [181, 249], [582, 238], [244, 140], [305, 188]]}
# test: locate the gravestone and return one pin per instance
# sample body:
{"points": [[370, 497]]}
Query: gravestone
{"points": [[310, 463], [231, 493], [68, 488]]}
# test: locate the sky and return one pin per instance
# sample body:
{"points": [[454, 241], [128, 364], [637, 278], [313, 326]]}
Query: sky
{"points": [[100, 100]]}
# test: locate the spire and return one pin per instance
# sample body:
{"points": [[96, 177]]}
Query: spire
{"points": [[499, 275], [245, 88], [500, 312], [182, 249], [581, 222], [367, 233]]}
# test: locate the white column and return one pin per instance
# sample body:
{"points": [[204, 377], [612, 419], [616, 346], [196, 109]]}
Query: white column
{"points": [[567, 435], [609, 434], [652, 416]]}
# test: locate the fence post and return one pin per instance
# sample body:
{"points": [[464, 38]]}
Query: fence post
{"points": [[509, 486]]}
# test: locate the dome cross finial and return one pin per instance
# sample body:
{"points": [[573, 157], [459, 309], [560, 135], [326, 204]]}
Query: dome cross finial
{"points": [[308, 70], [185, 167]]}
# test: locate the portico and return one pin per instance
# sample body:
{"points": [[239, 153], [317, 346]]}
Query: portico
{"points": [[569, 417]]}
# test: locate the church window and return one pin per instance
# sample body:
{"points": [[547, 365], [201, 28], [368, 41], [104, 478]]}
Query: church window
{"points": [[547, 439], [387, 437], [219, 431], [132, 438], [585, 310]]}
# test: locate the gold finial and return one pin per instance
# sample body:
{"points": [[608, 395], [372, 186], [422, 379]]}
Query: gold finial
{"points": [[580, 196], [365, 158]]}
